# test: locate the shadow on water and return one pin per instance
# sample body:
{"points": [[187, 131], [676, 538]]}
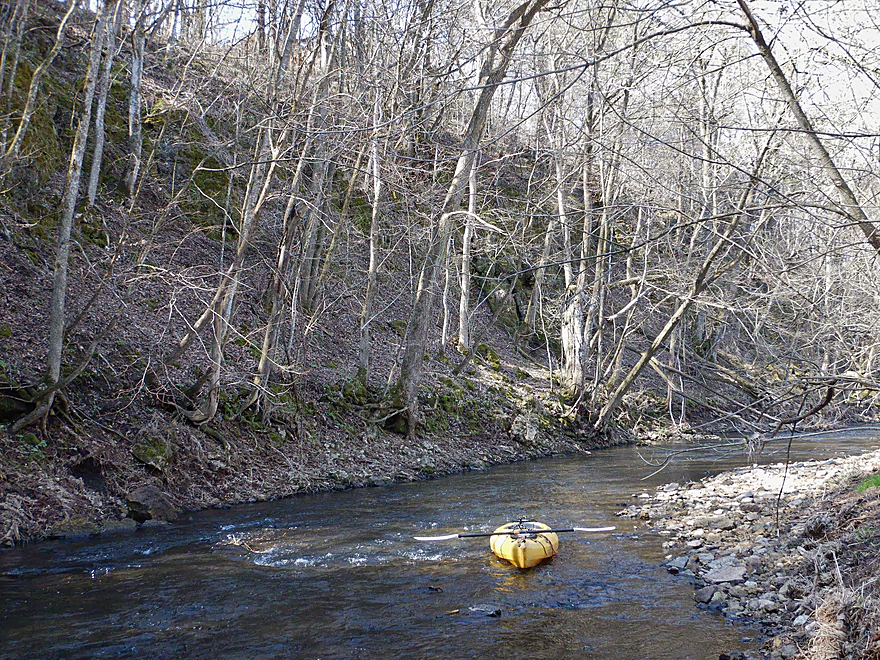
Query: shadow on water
{"points": [[338, 575]]}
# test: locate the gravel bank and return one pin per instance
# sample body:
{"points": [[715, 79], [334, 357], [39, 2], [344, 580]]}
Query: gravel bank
{"points": [[795, 549]]}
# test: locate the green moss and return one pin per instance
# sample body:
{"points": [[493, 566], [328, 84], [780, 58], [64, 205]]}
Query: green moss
{"points": [[76, 525], [361, 213], [437, 421], [93, 230], [399, 327], [153, 451], [5, 331], [355, 391], [871, 482], [489, 355], [520, 374]]}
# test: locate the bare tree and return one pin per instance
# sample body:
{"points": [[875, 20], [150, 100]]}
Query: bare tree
{"points": [[499, 54], [67, 212]]}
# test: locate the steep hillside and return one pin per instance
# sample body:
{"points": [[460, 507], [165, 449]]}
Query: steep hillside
{"points": [[142, 271]]}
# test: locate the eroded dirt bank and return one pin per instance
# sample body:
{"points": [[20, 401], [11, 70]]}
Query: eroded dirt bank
{"points": [[796, 549]]}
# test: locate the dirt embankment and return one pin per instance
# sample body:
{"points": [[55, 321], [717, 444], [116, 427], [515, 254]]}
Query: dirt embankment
{"points": [[795, 548]]}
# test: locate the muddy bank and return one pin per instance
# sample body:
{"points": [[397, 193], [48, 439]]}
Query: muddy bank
{"points": [[793, 548]]}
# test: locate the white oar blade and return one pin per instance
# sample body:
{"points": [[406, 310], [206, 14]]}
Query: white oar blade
{"points": [[448, 537], [594, 529]]}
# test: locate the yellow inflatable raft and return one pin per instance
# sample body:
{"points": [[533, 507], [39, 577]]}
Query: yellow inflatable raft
{"points": [[524, 545]]}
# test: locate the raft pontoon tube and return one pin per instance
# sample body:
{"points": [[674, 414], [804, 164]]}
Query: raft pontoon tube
{"points": [[523, 543]]}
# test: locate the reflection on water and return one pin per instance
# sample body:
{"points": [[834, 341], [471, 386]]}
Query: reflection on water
{"points": [[338, 575]]}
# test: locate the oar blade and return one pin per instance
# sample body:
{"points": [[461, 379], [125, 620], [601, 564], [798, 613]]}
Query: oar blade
{"points": [[448, 537], [594, 529]]}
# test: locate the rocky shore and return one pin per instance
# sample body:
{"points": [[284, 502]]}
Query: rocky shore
{"points": [[793, 548]]}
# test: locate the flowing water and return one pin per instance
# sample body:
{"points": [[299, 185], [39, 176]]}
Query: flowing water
{"points": [[338, 575]]}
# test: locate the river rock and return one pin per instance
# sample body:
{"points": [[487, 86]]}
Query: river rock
{"points": [[705, 594], [487, 610], [724, 523], [149, 503], [726, 574], [676, 564]]}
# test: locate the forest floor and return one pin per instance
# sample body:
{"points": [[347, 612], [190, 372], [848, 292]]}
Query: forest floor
{"points": [[794, 548]]}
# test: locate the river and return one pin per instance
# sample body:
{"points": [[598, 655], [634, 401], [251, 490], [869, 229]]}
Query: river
{"points": [[338, 575]]}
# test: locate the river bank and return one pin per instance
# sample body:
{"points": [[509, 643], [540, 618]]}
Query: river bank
{"points": [[793, 548], [89, 477]]}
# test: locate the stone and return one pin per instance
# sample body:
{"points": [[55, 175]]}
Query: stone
{"points": [[726, 574], [153, 451], [733, 609], [488, 610], [753, 563], [676, 564], [737, 591], [73, 527], [121, 525], [724, 523], [801, 620], [705, 594], [149, 503]]}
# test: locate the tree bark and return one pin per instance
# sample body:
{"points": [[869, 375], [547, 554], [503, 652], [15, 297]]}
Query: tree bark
{"points": [[135, 131], [17, 24], [68, 212], [373, 267], [464, 313]]}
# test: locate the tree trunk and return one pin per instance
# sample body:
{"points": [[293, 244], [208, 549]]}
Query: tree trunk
{"points": [[100, 109], [135, 131], [701, 281], [373, 268], [572, 328], [16, 26], [278, 290], [850, 203], [492, 73], [464, 314], [68, 212]]}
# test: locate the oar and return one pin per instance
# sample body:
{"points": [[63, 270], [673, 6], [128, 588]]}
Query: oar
{"points": [[514, 532]]}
